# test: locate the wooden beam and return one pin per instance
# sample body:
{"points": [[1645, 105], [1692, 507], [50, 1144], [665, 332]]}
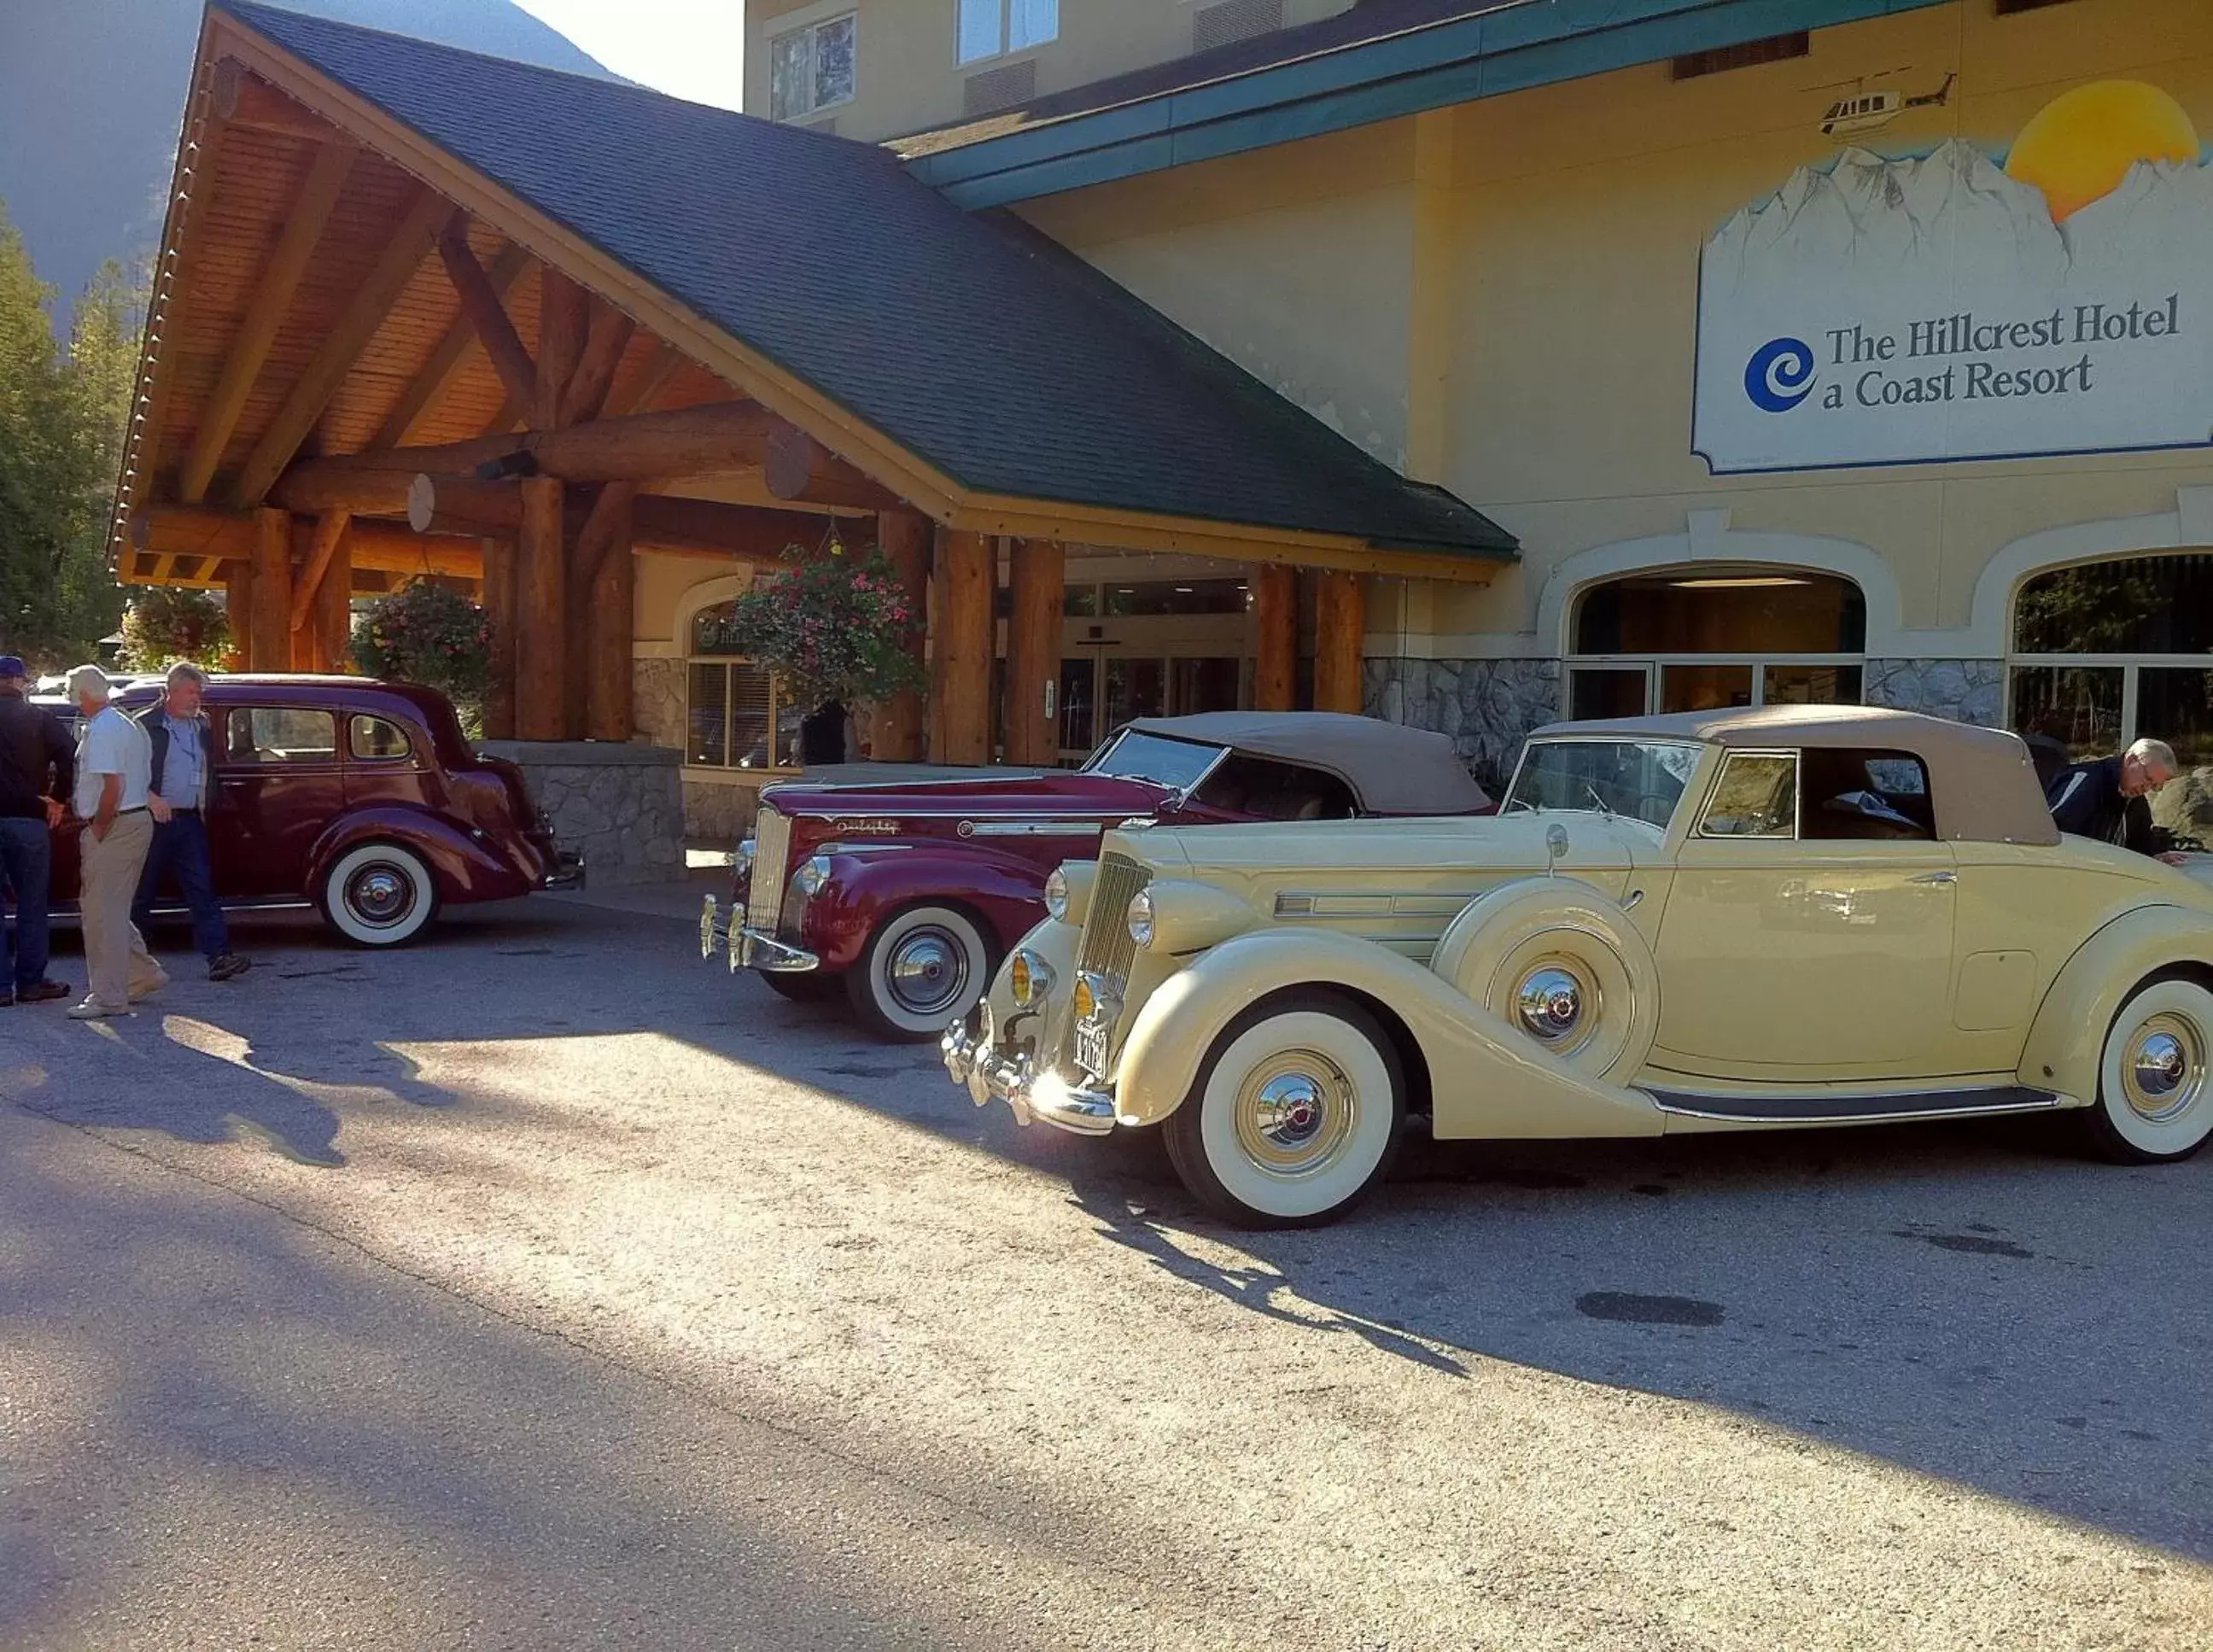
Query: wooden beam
{"points": [[1037, 574], [1340, 629], [244, 99], [562, 310], [692, 441], [540, 655], [269, 622], [683, 526], [587, 394], [961, 654], [341, 347], [590, 542], [272, 297], [238, 609], [1275, 636], [513, 409], [797, 466], [226, 539], [482, 308], [652, 377], [330, 533], [903, 536], [312, 489], [500, 616], [611, 602], [444, 364], [332, 624]]}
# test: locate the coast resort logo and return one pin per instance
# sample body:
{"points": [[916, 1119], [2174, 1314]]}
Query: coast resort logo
{"points": [[1780, 375]]}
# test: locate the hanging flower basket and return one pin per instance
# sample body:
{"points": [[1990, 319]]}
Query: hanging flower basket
{"points": [[833, 626], [425, 632], [165, 624]]}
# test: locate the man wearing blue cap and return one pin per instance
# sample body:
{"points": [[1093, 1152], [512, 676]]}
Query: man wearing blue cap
{"points": [[37, 765]]}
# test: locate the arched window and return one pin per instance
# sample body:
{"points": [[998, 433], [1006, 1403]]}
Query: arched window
{"points": [[735, 715], [1706, 636], [2106, 651]]}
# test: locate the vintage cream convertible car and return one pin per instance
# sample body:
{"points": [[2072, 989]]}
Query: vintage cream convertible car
{"points": [[1735, 920]]}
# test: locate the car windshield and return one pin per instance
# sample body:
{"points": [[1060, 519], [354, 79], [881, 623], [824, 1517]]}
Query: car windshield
{"points": [[1640, 779], [1178, 764]]}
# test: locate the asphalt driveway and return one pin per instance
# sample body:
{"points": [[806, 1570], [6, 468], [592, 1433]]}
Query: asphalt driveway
{"points": [[544, 1287]]}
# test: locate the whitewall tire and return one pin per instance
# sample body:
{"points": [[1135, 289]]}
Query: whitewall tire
{"points": [[1294, 1118], [379, 895], [923, 970], [2155, 1076]]}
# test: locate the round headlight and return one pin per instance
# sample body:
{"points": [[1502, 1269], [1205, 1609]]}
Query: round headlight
{"points": [[1029, 979], [743, 862], [811, 877], [1056, 895], [1141, 917]]}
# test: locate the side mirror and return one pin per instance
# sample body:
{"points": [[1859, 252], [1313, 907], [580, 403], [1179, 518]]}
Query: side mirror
{"points": [[1556, 846]]}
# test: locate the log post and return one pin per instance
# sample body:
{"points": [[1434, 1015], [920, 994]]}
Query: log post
{"points": [[608, 712], [238, 608], [540, 600], [1036, 571], [333, 616], [1275, 636], [500, 616], [590, 547], [904, 537], [269, 622], [961, 665], [1340, 630]]}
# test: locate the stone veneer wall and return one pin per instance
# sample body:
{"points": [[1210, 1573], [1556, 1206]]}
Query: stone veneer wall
{"points": [[1487, 706], [621, 806], [1966, 690], [657, 701]]}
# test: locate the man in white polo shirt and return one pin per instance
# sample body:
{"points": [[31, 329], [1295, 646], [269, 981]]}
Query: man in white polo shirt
{"points": [[114, 764]]}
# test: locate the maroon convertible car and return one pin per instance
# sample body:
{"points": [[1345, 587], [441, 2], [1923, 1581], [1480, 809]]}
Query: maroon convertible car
{"points": [[361, 799], [903, 886]]}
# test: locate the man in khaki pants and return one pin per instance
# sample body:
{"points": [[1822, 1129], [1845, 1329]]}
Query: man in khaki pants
{"points": [[114, 764]]}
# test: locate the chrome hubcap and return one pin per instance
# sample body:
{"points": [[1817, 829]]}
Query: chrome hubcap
{"points": [[926, 972], [380, 895], [1550, 1002], [2165, 1068], [1295, 1113]]}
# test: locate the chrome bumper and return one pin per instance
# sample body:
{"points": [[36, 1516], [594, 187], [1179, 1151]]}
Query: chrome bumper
{"points": [[748, 948], [1035, 1097]]}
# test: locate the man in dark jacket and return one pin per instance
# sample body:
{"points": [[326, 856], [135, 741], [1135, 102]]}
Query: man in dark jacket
{"points": [[38, 766], [2105, 798], [183, 771]]}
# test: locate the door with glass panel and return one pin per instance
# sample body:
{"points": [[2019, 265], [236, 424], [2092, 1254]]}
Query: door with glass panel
{"points": [[1150, 649], [1707, 639]]}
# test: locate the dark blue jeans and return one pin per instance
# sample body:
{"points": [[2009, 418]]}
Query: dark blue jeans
{"points": [[180, 846], [26, 865]]}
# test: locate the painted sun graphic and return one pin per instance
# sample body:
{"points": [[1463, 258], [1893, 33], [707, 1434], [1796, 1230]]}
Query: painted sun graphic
{"points": [[2079, 146]]}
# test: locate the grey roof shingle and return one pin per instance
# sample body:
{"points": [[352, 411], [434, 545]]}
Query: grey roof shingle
{"points": [[976, 343]]}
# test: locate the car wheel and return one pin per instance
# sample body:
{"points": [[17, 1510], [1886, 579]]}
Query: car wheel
{"points": [[923, 970], [1563, 967], [801, 985], [2156, 1078], [1294, 1118], [379, 895]]}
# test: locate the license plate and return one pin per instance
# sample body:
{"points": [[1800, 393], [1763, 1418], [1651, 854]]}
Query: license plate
{"points": [[1091, 1050]]}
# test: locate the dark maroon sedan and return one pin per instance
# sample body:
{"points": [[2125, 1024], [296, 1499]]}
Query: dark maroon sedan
{"points": [[361, 799], [904, 887]]}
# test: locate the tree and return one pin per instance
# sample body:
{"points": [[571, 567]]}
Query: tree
{"points": [[63, 414]]}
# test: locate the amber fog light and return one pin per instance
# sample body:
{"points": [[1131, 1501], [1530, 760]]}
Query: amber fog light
{"points": [[1029, 979]]}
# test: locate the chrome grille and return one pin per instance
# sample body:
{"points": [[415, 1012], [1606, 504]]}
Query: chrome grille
{"points": [[771, 847], [1107, 947]]}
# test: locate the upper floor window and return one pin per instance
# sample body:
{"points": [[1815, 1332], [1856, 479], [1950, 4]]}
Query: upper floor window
{"points": [[811, 68], [989, 28]]}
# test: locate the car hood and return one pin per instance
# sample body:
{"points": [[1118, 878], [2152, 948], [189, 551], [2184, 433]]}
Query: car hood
{"points": [[936, 791], [1361, 848]]}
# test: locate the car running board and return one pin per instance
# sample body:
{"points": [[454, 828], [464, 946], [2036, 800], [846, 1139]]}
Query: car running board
{"points": [[1835, 1109]]}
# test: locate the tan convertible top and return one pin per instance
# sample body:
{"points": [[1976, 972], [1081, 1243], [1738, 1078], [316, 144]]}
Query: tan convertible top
{"points": [[1392, 769], [1982, 785]]}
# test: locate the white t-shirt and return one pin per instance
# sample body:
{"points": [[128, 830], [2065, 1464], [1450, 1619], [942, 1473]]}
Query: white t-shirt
{"points": [[113, 744]]}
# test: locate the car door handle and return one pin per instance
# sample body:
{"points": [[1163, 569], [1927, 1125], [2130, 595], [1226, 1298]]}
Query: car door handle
{"points": [[1935, 877]]}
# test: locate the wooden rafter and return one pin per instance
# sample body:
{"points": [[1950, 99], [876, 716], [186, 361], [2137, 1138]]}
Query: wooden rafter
{"points": [[330, 529], [244, 99], [342, 346], [444, 363], [563, 307], [481, 306], [609, 335], [651, 378], [689, 442], [257, 331]]}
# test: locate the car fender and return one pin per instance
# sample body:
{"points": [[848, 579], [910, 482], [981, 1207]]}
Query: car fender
{"points": [[1487, 1079], [465, 869], [2068, 1036], [867, 885]]}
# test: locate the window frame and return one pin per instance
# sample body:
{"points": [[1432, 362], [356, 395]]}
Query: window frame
{"points": [[777, 705], [234, 714], [1730, 757], [1005, 48], [809, 32], [2130, 666], [353, 754]]}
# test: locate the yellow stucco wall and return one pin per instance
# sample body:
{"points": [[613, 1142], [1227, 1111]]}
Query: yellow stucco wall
{"points": [[1574, 217], [907, 77]]}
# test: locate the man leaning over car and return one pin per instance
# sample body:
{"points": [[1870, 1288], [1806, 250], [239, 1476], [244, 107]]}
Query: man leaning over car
{"points": [[2105, 799], [177, 735], [32, 743]]}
